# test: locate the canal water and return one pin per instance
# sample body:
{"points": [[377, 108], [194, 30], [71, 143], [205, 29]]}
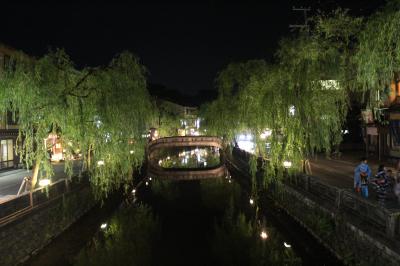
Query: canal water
{"points": [[185, 222]]}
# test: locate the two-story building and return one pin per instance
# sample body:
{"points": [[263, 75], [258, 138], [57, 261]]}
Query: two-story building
{"points": [[382, 128], [8, 128]]}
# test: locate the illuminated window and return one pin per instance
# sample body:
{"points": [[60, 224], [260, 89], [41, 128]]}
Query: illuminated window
{"points": [[6, 153]]}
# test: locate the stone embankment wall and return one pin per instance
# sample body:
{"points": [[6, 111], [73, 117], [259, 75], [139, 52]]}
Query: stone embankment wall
{"points": [[27, 233], [357, 231]]}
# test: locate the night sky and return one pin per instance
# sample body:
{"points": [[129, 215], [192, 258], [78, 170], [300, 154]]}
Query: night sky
{"points": [[183, 46]]}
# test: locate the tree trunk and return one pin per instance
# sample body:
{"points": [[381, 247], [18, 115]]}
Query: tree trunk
{"points": [[35, 173]]}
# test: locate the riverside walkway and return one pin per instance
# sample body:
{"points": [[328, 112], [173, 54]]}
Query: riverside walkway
{"points": [[340, 172]]}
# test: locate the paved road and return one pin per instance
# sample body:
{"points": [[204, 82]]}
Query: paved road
{"points": [[10, 181], [340, 172]]}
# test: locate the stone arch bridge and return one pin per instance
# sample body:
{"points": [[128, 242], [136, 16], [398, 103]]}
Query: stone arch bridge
{"points": [[182, 174]]}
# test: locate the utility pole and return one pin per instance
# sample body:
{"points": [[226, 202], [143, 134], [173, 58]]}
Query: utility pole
{"points": [[301, 26]]}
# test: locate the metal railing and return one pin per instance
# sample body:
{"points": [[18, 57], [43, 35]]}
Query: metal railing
{"points": [[18, 205], [337, 199]]}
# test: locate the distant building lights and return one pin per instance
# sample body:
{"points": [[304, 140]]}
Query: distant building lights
{"points": [[287, 164], [266, 134], [292, 110]]}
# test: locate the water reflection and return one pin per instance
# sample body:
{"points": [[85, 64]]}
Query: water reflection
{"points": [[200, 222], [187, 157]]}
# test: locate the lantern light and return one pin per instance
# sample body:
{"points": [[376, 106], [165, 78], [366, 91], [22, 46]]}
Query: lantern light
{"points": [[287, 164], [263, 235]]}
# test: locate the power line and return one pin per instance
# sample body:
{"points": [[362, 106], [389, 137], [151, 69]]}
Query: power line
{"points": [[301, 26]]}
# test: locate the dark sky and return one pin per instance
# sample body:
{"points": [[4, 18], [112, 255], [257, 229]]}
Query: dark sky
{"points": [[182, 45]]}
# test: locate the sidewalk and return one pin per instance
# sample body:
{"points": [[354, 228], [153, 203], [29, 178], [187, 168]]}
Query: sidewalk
{"points": [[340, 172], [10, 181]]}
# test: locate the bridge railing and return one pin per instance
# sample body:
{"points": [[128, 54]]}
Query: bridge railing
{"points": [[185, 139]]}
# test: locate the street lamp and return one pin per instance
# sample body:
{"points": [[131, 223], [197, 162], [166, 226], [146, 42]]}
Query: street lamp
{"points": [[263, 235]]}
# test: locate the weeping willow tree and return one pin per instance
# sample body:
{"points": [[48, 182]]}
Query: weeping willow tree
{"points": [[377, 58], [169, 118], [101, 111], [296, 106]]}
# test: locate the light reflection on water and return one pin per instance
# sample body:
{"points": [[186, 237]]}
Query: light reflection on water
{"points": [[187, 157]]}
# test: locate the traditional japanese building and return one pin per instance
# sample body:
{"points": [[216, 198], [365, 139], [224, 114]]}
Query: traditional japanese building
{"points": [[382, 127], [8, 128]]}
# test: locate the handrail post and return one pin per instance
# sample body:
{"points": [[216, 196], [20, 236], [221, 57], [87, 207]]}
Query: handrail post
{"points": [[307, 185], [339, 196], [391, 219], [31, 198]]}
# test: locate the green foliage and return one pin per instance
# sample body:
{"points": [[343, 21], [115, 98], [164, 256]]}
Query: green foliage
{"points": [[378, 55], [237, 242], [302, 99], [128, 240], [100, 111], [169, 118]]}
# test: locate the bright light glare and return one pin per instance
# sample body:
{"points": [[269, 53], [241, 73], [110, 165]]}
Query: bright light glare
{"points": [[131, 151], [99, 163], [287, 164], [266, 134], [287, 245], [150, 178], [264, 235], [103, 226], [133, 191], [246, 145], [251, 201], [147, 183], [292, 110], [44, 182]]}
